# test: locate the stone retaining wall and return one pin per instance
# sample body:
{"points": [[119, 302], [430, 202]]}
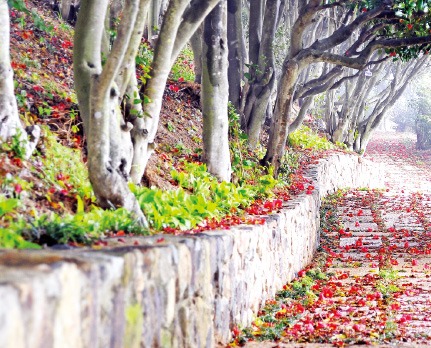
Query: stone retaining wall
{"points": [[182, 292]]}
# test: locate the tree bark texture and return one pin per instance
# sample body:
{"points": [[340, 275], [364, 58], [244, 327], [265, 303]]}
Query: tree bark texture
{"points": [[262, 75], [109, 142], [215, 94], [181, 20], [196, 44], [236, 51], [10, 124]]}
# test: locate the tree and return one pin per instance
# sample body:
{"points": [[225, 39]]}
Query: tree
{"points": [[421, 104], [400, 76], [261, 77], [379, 25], [10, 124], [182, 18], [215, 94], [119, 147]]}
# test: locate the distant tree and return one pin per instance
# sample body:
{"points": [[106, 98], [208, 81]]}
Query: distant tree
{"points": [[10, 124], [400, 27], [421, 104]]}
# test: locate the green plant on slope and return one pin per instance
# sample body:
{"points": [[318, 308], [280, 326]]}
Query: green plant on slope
{"points": [[305, 138], [10, 238], [79, 228], [61, 159], [183, 66]]}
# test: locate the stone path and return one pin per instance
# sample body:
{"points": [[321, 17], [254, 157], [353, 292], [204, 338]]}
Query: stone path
{"points": [[378, 261]]}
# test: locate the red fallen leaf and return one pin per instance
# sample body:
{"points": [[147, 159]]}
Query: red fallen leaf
{"points": [[301, 273], [37, 88], [18, 188], [160, 240], [369, 229], [120, 233], [414, 262], [395, 306], [298, 308], [394, 262], [343, 276], [269, 205], [358, 327], [327, 292], [16, 161], [361, 302], [358, 242], [181, 79], [278, 203], [405, 318], [174, 88], [357, 224], [360, 212], [406, 245], [135, 242], [66, 44], [121, 240]]}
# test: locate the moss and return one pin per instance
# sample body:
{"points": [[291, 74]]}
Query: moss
{"points": [[134, 326]]}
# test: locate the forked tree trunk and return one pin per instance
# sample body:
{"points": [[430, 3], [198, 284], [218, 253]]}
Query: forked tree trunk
{"points": [[215, 95], [262, 74], [181, 20], [110, 147], [10, 124]]}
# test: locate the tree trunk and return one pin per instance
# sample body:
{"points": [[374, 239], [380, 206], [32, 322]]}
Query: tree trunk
{"points": [[146, 126], [181, 20], [236, 51], [109, 142], [215, 94], [283, 117], [196, 44], [262, 75], [10, 124]]}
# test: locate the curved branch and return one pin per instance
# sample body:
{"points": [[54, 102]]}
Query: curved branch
{"points": [[361, 61]]}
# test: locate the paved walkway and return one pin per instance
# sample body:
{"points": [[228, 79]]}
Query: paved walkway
{"points": [[378, 261]]}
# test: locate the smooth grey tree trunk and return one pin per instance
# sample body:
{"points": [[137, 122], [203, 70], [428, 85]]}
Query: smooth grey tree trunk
{"points": [[215, 93], [262, 74], [10, 124], [109, 142], [181, 20], [236, 51], [196, 45]]}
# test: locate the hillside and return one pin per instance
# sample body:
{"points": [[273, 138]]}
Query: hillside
{"points": [[48, 200]]}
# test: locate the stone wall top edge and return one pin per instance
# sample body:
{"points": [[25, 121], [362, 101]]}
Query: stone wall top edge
{"points": [[30, 258]]}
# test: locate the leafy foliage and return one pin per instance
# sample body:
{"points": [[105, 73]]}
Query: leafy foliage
{"points": [[62, 162], [79, 228], [183, 68], [306, 138]]}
